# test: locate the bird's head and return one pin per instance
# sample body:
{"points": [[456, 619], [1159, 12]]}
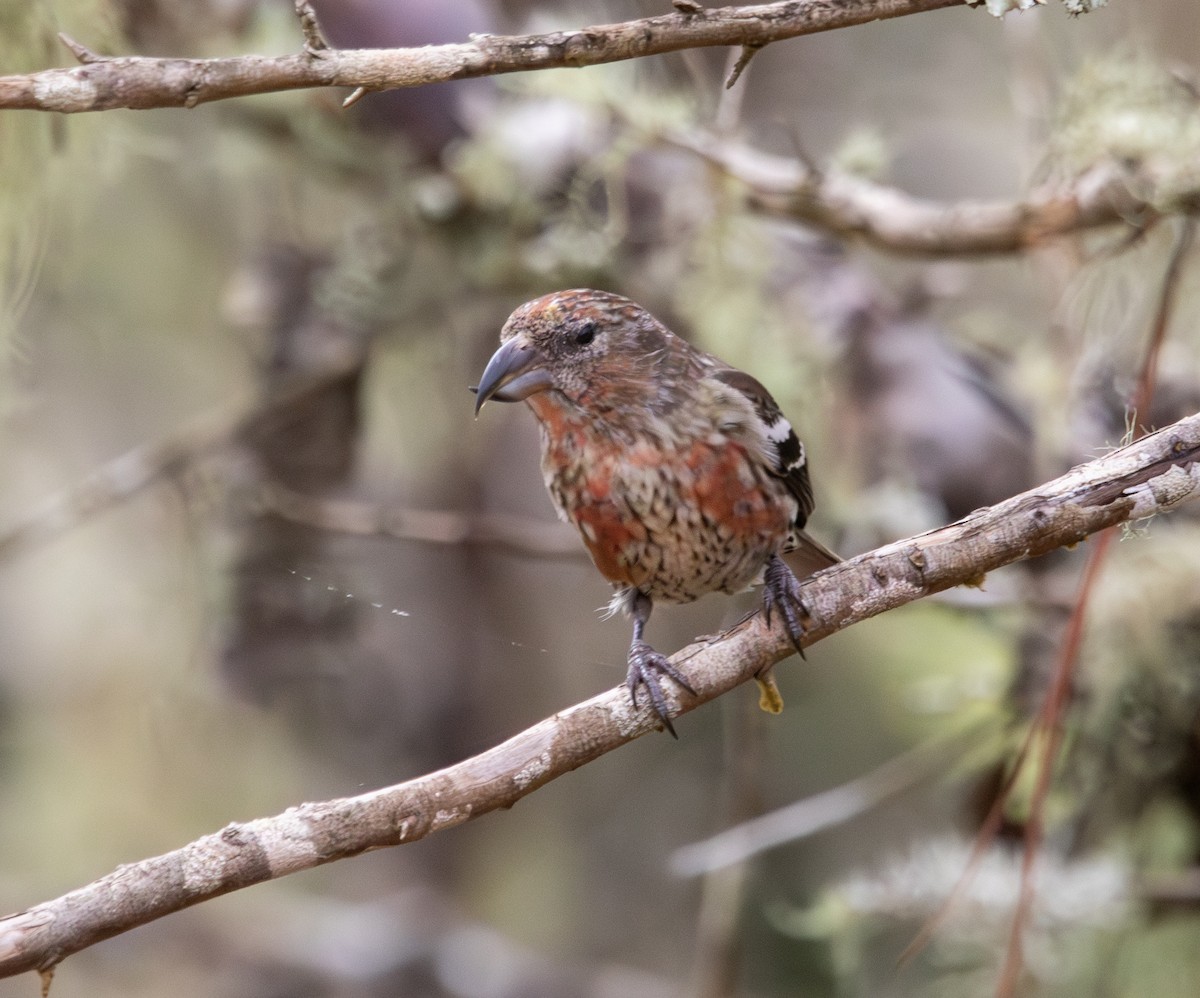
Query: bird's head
{"points": [[593, 348]]}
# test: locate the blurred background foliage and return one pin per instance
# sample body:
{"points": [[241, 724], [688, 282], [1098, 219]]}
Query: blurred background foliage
{"points": [[258, 319]]}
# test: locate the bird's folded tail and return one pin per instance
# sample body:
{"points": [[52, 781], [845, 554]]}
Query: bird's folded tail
{"points": [[809, 555]]}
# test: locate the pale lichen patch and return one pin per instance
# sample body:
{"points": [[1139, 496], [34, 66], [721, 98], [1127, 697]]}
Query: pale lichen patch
{"points": [[70, 90], [532, 770]]}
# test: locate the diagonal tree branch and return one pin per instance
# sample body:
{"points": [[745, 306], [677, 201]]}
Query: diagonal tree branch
{"points": [[137, 82], [1151, 476], [890, 219]]}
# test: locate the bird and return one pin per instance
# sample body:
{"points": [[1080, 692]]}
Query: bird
{"points": [[680, 472]]}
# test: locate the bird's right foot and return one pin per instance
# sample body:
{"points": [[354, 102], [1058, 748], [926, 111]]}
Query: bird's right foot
{"points": [[646, 667], [781, 595]]}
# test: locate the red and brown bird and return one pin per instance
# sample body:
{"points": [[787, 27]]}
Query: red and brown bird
{"points": [[680, 472]]}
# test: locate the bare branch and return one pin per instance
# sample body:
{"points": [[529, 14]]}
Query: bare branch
{"points": [[1050, 720], [1168, 297], [142, 82], [821, 811], [540, 538], [857, 208], [118, 479], [1151, 476], [136, 469]]}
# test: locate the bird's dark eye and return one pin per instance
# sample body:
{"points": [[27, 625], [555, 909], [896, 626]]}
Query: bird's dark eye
{"points": [[585, 333]]}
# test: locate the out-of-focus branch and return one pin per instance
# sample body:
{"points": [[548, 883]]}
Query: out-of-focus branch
{"points": [[126, 475], [524, 535], [101, 83], [821, 811], [1050, 718], [856, 208], [1151, 476], [137, 469]]}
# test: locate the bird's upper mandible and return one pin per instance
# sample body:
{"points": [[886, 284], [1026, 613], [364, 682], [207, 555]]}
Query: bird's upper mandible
{"points": [[596, 350]]}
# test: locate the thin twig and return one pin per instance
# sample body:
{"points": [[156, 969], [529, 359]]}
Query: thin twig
{"points": [[128, 474], [1143, 393], [743, 60], [984, 839], [524, 535], [1148, 477], [816, 813], [81, 52], [143, 82], [314, 39], [1051, 715], [1050, 722]]}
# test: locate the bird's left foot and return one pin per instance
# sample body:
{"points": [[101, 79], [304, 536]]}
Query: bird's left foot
{"points": [[646, 667], [781, 595]]}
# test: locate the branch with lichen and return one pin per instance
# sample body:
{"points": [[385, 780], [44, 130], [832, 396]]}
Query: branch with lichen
{"points": [[835, 201], [1151, 476], [1125, 151], [857, 208], [101, 82]]}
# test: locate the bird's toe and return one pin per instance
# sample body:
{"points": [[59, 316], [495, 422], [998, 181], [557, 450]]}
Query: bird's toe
{"points": [[781, 595], [646, 668]]}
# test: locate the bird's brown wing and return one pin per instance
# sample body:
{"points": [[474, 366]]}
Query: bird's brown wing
{"points": [[791, 464]]}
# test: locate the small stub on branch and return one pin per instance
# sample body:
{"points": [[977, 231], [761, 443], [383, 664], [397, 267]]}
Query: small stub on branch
{"points": [[314, 39], [687, 6], [739, 67], [356, 95], [81, 52]]}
